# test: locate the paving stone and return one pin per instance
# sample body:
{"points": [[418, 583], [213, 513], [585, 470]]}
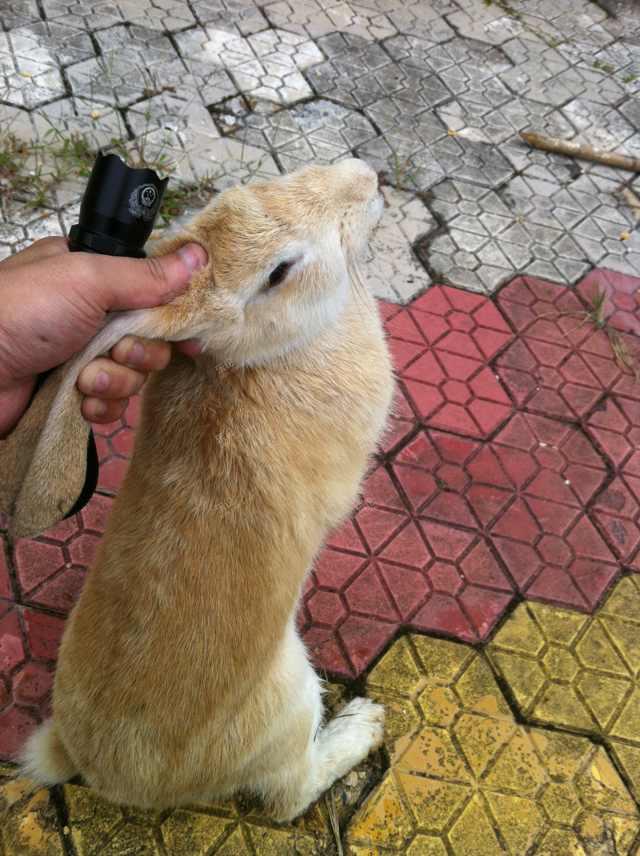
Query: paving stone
{"points": [[416, 149], [592, 686], [50, 569], [134, 63], [93, 826], [621, 59], [470, 69], [488, 23], [229, 162], [621, 295], [49, 43], [560, 364], [29, 641], [528, 491], [442, 345], [316, 18], [22, 224], [538, 222], [19, 13], [27, 81], [230, 15], [318, 131], [465, 778], [392, 271], [551, 77], [424, 18], [175, 127], [403, 150], [162, 15], [30, 825], [90, 15], [114, 444], [266, 65], [357, 72], [602, 126]]}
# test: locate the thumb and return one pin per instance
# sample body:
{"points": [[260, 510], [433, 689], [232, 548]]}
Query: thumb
{"points": [[144, 283]]}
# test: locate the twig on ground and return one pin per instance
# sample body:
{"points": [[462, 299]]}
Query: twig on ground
{"points": [[582, 151], [632, 201], [334, 821]]}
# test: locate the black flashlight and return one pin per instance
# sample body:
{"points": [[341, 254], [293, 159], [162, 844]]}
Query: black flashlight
{"points": [[117, 214], [118, 209]]}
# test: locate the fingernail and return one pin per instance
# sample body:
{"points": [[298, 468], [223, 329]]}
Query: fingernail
{"points": [[194, 256], [99, 408], [135, 356], [101, 382]]}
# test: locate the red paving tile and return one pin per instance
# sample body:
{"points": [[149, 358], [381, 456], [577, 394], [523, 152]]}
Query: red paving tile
{"points": [[480, 489], [621, 294], [29, 642], [114, 443], [441, 345], [559, 365], [50, 569], [527, 490]]}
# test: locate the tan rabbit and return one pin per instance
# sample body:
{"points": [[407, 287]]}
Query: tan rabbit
{"points": [[181, 676]]}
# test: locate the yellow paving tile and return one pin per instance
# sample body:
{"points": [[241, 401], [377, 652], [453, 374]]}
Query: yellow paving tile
{"points": [[28, 819], [29, 826], [467, 780], [579, 672]]}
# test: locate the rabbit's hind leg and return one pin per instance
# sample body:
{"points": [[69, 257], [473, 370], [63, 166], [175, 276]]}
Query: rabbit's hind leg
{"points": [[304, 766], [343, 743]]}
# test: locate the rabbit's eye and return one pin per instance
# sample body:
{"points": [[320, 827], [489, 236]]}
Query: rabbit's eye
{"points": [[278, 274]]}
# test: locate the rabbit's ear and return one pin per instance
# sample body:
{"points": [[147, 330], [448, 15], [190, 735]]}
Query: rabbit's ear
{"points": [[43, 461]]}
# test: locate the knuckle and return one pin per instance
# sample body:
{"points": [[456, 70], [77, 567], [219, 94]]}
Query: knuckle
{"points": [[156, 269]]}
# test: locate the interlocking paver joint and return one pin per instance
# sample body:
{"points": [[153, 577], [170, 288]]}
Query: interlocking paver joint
{"points": [[504, 507]]}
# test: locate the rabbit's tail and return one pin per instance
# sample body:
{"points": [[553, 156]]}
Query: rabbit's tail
{"points": [[44, 758]]}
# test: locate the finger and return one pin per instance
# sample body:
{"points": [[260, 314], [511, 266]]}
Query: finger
{"points": [[98, 410], [146, 355], [119, 283], [190, 347], [45, 248], [104, 379]]}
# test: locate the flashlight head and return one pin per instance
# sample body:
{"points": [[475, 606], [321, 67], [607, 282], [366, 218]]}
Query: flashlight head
{"points": [[118, 209]]}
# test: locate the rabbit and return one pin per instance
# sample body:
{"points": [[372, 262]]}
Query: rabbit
{"points": [[181, 675]]}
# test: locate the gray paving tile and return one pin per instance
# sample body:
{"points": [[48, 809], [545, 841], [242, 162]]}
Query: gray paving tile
{"points": [[135, 63], [266, 65], [533, 223], [91, 15], [319, 131], [357, 72], [234, 15], [433, 93], [50, 43], [393, 271], [315, 18], [162, 15]]}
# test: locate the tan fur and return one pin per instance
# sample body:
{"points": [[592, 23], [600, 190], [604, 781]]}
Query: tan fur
{"points": [[174, 676]]}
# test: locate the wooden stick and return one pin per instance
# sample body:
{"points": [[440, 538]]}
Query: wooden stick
{"points": [[632, 201], [583, 152]]}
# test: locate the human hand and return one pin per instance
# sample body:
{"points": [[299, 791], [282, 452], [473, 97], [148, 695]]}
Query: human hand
{"points": [[52, 302]]}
